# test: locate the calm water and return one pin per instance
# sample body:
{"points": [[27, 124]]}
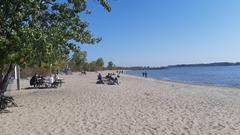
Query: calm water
{"points": [[228, 76]]}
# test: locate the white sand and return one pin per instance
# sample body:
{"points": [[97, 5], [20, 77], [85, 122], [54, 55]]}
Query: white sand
{"points": [[136, 107]]}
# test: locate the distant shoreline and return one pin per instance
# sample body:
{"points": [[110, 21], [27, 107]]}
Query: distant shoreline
{"points": [[181, 65], [219, 76]]}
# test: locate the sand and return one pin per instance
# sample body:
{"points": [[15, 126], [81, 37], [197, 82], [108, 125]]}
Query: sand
{"points": [[137, 106]]}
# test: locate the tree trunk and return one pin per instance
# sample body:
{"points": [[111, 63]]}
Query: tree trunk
{"points": [[4, 85]]}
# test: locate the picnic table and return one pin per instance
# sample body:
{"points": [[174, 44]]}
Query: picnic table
{"points": [[48, 83]]}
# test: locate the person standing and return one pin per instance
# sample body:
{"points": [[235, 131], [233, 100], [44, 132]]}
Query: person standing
{"points": [[145, 74]]}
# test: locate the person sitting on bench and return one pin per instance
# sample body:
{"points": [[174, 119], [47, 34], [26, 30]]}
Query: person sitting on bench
{"points": [[52, 81], [33, 80], [116, 80]]}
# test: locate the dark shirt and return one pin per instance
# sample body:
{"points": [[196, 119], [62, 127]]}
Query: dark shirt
{"points": [[99, 77]]}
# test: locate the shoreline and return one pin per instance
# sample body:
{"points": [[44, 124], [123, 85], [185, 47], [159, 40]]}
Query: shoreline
{"points": [[189, 83], [169, 82], [185, 83]]}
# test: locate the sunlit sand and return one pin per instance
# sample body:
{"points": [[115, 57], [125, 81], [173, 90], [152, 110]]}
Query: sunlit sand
{"points": [[136, 106]]}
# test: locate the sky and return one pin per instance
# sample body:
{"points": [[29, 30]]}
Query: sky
{"points": [[165, 32]]}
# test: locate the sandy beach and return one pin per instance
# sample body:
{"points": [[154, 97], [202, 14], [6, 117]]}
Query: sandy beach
{"points": [[137, 106]]}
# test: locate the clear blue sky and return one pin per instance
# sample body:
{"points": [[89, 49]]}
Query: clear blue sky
{"points": [[165, 32]]}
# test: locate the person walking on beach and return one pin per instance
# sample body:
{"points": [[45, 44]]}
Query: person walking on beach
{"points": [[145, 74]]}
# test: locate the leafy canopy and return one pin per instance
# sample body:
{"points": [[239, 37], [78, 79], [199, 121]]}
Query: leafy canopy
{"points": [[36, 31], [110, 65], [100, 63]]}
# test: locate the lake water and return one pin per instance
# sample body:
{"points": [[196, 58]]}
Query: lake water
{"points": [[228, 76]]}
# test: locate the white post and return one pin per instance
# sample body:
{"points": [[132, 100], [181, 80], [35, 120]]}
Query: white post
{"points": [[17, 76], [15, 69]]}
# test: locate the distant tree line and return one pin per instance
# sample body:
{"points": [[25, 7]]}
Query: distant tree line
{"points": [[78, 62], [180, 65]]}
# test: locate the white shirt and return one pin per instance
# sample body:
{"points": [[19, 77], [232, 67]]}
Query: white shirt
{"points": [[51, 79]]}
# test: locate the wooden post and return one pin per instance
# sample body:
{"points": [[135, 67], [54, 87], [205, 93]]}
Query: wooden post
{"points": [[50, 69]]}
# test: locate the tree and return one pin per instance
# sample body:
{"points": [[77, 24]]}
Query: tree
{"points": [[110, 66], [41, 31], [86, 66], [92, 66], [78, 60], [100, 64]]}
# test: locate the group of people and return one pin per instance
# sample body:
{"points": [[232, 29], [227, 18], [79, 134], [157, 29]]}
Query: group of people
{"points": [[38, 80], [144, 74], [110, 78], [67, 71], [83, 73], [120, 71]]}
